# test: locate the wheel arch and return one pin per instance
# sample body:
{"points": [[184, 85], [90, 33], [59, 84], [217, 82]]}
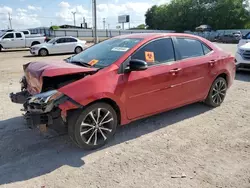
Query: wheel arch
{"points": [[223, 75], [111, 103], [43, 48], [35, 42]]}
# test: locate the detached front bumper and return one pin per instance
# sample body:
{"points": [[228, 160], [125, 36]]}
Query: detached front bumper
{"points": [[41, 109]]}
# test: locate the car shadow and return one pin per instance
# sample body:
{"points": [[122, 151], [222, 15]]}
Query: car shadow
{"points": [[243, 76], [25, 154], [50, 55], [15, 50]]}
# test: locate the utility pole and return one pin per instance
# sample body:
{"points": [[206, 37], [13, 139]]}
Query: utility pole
{"points": [[10, 21], [74, 14], [104, 23], [94, 21]]}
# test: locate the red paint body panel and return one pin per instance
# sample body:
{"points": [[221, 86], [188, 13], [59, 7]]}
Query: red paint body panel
{"points": [[144, 93]]}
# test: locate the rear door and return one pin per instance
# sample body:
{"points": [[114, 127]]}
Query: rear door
{"points": [[70, 44], [195, 60], [19, 40]]}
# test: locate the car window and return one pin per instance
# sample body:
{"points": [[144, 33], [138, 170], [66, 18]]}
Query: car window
{"points": [[70, 40], [61, 40], [25, 32], [18, 35], [247, 36], [189, 48], [206, 49], [156, 52], [9, 36]]}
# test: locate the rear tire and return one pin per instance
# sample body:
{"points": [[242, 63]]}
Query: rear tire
{"points": [[43, 52], [217, 92], [78, 49], [92, 127]]}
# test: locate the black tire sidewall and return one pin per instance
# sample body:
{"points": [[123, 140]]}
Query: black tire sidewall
{"points": [[42, 50], [78, 47], [74, 129], [209, 99]]}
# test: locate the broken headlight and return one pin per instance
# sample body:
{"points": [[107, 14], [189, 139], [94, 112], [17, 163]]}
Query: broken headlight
{"points": [[43, 102], [46, 97]]}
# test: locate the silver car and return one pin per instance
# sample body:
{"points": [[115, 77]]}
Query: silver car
{"points": [[59, 45]]}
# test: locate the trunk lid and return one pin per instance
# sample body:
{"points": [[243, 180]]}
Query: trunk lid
{"points": [[36, 71]]}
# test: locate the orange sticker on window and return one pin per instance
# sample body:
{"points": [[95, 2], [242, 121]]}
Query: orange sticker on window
{"points": [[150, 57], [93, 62]]}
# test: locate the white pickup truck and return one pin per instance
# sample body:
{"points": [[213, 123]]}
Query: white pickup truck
{"points": [[19, 40]]}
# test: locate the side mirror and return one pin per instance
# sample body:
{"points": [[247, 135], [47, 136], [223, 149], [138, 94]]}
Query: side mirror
{"points": [[54, 43], [136, 65]]}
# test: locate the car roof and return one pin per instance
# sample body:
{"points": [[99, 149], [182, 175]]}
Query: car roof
{"points": [[148, 36]]}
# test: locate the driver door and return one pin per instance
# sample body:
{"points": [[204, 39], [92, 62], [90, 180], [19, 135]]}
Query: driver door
{"points": [[150, 91], [58, 46], [8, 41]]}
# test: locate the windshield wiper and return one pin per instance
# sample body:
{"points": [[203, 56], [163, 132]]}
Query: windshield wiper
{"points": [[80, 63]]}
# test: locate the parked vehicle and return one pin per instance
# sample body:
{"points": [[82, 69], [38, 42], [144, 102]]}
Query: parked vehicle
{"points": [[59, 45], [18, 40], [242, 57], [121, 80], [228, 38], [244, 39]]}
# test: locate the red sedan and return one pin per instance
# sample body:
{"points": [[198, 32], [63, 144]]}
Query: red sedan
{"points": [[121, 80]]}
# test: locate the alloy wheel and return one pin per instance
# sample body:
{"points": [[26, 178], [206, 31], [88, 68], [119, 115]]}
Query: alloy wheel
{"points": [[96, 126], [219, 92]]}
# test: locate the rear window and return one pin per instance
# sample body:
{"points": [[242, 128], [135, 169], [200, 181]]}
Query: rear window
{"points": [[25, 32], [189, 48], [18, 35]]}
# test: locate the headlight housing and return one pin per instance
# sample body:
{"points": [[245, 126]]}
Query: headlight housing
{"points": [[35, 48], [240, 51], [46, 97]]}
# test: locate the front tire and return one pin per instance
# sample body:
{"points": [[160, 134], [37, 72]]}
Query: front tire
{"points": [[93, 126], [217, 92], [78, 49], [43, 52]]}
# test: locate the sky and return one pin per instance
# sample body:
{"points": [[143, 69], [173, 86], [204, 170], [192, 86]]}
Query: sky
{"points": [[35, 13]]}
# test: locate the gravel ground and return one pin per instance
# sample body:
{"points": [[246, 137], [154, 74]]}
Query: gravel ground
{"points": [[193, 146]]}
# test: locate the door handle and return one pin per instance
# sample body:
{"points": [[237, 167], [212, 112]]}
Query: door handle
{"points": [[212, 62], [175, 70], [12, 39]]}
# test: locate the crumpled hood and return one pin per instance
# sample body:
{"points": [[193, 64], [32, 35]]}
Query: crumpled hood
{"points": [[54, 68], [35, 71]]}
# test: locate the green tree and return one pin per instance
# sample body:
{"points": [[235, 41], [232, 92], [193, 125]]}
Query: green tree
{"points": [[183, 15]]}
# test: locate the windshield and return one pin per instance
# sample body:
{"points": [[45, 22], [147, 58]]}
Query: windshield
{"points": [[52, 40], [105, 53]]}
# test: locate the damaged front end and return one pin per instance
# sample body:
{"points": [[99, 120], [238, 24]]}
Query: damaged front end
{"points": [[42, 109]]}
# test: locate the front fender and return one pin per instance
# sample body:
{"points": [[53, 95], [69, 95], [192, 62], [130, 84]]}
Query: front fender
{"points": [[89, 90]]}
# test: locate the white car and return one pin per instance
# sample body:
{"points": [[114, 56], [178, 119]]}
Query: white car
{"points": [[59, 45], [242, 57]]}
